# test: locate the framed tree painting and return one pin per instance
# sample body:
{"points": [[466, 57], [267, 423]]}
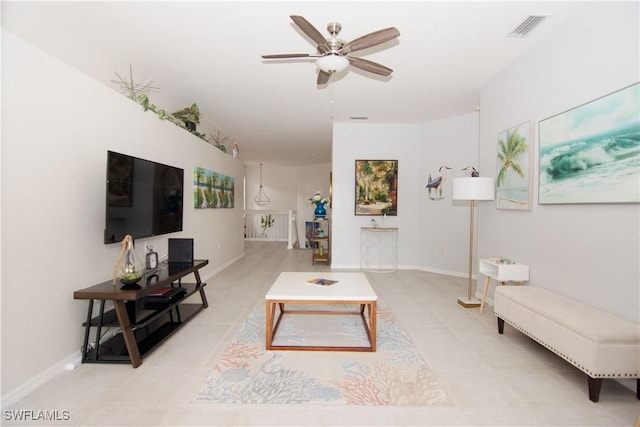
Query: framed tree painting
{"points": [[212, 189], [513, 182], [591, 153], [376, 187]]}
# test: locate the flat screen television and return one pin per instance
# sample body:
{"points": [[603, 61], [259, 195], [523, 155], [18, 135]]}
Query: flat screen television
{"points": [[143, 198]]}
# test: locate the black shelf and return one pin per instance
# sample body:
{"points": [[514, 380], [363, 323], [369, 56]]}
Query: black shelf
{"points": [[109, 318], [148, 337], [323, 241], [147, 322]]}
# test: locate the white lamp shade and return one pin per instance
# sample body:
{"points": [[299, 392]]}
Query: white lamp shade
{"points": [[332, 63], [473, 188]]}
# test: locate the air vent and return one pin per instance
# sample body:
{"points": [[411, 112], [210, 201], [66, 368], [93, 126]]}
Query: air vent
{"points": [[359, 118], [527, 25]]}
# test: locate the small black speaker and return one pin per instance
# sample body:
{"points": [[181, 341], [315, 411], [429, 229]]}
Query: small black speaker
{"points": [[181, 250]]}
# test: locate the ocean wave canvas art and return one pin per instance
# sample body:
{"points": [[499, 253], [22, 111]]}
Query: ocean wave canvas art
{"points": [[591, 153]]}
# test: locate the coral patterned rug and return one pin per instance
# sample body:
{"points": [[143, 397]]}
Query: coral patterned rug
{"points": [[396, 374]]}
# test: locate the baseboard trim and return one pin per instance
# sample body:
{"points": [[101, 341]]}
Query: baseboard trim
{"points": [[223, 266], [70, 362], [67, 364]]}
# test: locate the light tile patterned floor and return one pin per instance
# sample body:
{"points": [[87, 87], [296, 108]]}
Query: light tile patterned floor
{"points": [[493, 380]]}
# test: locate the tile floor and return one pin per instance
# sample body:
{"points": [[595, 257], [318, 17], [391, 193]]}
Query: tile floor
{"points": [[492, 380]]}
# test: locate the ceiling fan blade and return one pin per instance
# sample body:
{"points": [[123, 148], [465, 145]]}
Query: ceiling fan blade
{"points": [[371, 39], [312, 32], [323, 77], [372, 67], [286, 55]]}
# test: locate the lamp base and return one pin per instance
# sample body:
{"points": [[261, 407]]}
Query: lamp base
{"points": [[469, 303]]}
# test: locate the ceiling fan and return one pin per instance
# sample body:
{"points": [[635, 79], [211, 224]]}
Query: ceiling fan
{"points": [[333, 53]]}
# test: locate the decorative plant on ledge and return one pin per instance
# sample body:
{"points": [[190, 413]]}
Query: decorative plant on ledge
{"points": [[218, 141], [143, 99], [187, 118], [266, 221], [190, 116]]}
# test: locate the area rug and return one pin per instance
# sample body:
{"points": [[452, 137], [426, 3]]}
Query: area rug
{"points": [[396, 374]]}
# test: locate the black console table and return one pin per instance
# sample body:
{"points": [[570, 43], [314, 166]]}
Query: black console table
{"points": [[142, 326]]}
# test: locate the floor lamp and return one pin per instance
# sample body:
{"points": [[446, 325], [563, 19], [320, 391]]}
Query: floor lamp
{"points": [[473, 189]]}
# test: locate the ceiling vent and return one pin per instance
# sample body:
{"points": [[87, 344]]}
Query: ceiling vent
{"points": [[527, 25]]}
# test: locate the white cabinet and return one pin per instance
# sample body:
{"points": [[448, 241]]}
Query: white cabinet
{"points": [[379, 249]]}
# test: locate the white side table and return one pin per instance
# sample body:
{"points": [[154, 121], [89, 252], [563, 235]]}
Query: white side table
{"points": [[502, 273], [379, 249]]}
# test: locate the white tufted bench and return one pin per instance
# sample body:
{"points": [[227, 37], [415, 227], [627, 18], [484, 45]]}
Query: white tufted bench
{"points": [[599, 343]]}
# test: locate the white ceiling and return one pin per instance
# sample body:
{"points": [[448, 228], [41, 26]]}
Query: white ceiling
{"points": [[208, 52]]}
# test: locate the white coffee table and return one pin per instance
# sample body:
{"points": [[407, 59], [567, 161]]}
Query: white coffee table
{"points": [[351, 288]]}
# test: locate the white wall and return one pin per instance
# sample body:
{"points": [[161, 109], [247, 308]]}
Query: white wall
{"points": [[432, 235], [54, 203], [57, 127], [590, 252], [353, 142], [443, 225], [289, 188]]}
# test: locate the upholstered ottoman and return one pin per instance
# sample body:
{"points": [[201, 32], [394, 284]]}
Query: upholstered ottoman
{"points": [[599, 343]]}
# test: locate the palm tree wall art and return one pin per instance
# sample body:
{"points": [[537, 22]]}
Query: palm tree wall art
{"points": [[513, 181], [212, 189]]}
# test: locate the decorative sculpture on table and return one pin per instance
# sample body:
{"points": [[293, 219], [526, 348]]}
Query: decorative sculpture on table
{"points": [[129, 276]]}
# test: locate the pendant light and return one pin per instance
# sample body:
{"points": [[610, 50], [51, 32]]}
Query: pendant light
{"points": [[261, 198]]}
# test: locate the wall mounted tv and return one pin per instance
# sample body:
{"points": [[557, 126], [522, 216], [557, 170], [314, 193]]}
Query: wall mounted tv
{"points": [[144, 198]]}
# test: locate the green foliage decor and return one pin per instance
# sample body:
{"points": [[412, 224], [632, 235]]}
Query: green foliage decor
{"points": [[189, 114], [266, 221], [179, 118], [218, 141], [143, 99]]}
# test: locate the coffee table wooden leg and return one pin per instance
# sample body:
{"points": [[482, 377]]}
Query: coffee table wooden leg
{"points": [[272, 322], [373, 321], [127, 333], [270, 308]]}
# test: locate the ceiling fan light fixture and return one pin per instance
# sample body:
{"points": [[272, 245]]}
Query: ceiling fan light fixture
{"points": [[332, 63]]}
